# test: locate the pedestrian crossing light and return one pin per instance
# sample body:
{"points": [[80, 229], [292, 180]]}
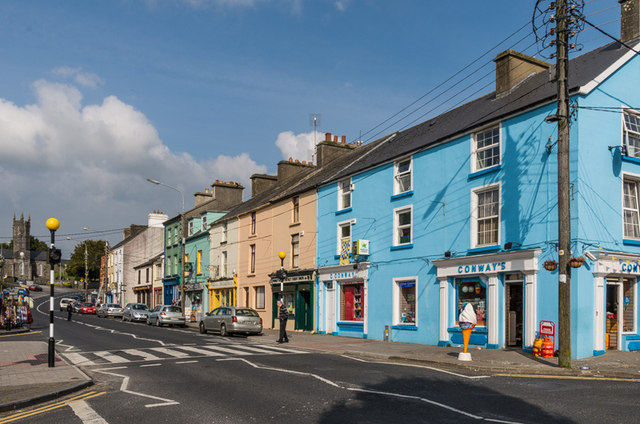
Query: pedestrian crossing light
{"points": [[55, 256]]}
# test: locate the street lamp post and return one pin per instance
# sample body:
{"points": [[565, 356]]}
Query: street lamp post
{"points": [[54, 257], [282, 274], [182, 240]]}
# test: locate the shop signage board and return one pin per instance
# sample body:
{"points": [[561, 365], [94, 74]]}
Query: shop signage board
{"points": [[547, 328]]}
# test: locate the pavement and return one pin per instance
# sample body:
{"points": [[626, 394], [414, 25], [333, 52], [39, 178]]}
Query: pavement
{"points": [[26, 378]]}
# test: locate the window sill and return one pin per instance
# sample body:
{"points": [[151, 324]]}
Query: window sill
{"points": [[402, 195], [351, 323], [341, 211], [485, 171], [223, 242], [294, 224], [252, 236], [407, 327], [251, 275], [402, 247], [631, 159], [484, 249], [631, 242]]}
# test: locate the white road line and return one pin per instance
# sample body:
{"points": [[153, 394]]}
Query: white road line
{"points": [[150, 365], [170, 352], [355, 389], [125, 383], [78, 359], [86, 414], [200, 351], [227, 350], [111, 357], [282, 349], [260, 350], [186, 362], [141, 353]]}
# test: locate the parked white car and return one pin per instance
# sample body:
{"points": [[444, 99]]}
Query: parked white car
{"points": [[135, 312]]}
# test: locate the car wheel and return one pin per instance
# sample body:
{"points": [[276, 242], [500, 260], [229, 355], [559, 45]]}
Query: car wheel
{"points": [[148, 321], [203, 330], [223, 330], [158, 323]]}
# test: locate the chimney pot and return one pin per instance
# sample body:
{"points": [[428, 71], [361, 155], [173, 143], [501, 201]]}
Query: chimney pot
{"points": [[290, 159], [304, 162], [335, 138], [327, 136], [344, 139]]}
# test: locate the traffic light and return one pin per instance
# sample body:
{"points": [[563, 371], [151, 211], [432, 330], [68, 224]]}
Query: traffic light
{"points": [[55, 255]]}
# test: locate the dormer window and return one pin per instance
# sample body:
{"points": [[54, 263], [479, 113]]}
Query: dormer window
{"points": [[485, 149]]}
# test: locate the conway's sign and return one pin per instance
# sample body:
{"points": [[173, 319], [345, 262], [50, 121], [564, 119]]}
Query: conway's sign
{"points": [[490, 267]]}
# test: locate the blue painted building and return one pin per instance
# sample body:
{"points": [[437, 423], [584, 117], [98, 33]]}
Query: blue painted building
{"points": [[463, 208]]}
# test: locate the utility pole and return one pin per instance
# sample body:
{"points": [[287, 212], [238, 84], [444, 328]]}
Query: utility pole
{"points": [[564, 205], [86, 272]]}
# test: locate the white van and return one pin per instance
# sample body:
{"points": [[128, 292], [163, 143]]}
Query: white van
{"points": [[64, 302]]}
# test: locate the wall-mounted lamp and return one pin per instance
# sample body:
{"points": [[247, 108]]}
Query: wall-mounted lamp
{"points": [[590, 255], [447, 254], [623, 149], [509, 245], [552, 118]]}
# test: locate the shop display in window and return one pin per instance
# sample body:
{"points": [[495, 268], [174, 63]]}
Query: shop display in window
{"points": [[407, 298], [475, 293], [352, 302]]}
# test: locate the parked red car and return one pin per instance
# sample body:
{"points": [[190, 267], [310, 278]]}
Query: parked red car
{"points": [[88, 308], [33, 287]]}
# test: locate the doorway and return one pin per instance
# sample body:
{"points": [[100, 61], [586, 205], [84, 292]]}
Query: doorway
{"points": [[513, 308], [611, 327]]}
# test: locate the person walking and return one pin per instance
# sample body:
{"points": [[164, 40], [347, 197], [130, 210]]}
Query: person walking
{"points": [[283, 315], [69, 311]]}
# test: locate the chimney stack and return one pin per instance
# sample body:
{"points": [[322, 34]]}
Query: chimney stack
{"points": [[513, 67], [261, 182], [629, 19]]}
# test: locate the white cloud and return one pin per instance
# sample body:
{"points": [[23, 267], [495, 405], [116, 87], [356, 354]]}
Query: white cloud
{"points": [[299, 147], [87, 164], [85, 79]]}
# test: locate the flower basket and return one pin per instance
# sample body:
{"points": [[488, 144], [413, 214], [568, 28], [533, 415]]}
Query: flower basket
{"points": [[576, 261], [550, 265]]}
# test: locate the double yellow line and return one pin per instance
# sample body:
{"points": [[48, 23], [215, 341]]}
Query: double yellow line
{"points": [[49, 407], [22, 334]]}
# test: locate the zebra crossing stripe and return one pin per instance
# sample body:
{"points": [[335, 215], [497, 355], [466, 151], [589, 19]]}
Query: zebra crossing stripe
{"points": [[170, 352], [78, 359], [200, 351], [111, 357], [282, 349], [259, 350], [141, 353], [227, 350]]}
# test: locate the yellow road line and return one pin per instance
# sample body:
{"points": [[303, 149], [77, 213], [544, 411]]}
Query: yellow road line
{"points": [[49, 407], [22, 334], [569, 377]]}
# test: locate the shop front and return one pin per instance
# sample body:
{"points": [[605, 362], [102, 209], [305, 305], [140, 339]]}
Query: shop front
{"points": [[222, 293], [615, 299], [296, 292], [343, 300], [193, 301], [143, 294], [501, 288], [171, 290]]}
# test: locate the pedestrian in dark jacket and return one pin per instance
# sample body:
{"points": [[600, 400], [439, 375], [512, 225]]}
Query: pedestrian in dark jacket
{"points": [[69, 311], [283, 315]]}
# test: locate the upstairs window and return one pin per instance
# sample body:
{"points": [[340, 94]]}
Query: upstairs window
{"points": [[631, 220], [190, 228], [485, 216], [295, 217], [223, 265], [252, 259], [223, 237], [204, 223], [295, 250], [344, 240], [485, 149], [344, 194], [631, 133], [402, 176], [253, 223], [199, 262], [402, 222]]}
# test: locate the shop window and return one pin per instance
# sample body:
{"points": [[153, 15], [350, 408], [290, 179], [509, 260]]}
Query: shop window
{"points": [[185, 273], [352, 302], [486, 149], [287, 301], [475, 293], [404, 301], [344, 194], [632, 133], [260, 297], [628, 306], [402, 179]]}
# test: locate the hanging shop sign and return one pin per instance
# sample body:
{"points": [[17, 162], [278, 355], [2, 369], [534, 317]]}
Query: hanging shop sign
{"points": [[193, 286], [220, 284]]}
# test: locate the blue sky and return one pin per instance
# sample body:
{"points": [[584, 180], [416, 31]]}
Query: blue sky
{"points": [[96, 96]]}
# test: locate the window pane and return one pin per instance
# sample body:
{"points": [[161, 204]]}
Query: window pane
{"points": [[407, 299], [260, 297], [474, 293], [487, 148], [404, 218]]}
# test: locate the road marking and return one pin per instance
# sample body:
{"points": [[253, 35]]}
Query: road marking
{"points": [[78, 359], [86, 413], [49, 407], [125, 384], [141, 353], [150, 365], [170, 352], [227, 350], [22, 334], [186, 362], [377, 392], [200, 351], [111, 357], [569, 377]]}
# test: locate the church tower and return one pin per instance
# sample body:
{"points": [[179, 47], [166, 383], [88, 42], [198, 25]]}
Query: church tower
{"points": [[22, 247]]}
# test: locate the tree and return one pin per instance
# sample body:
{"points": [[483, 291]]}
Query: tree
{"points": [[34, 242], [75, 266]]}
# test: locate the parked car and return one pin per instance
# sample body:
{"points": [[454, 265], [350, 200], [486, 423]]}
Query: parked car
{"points": [[107, 310], [135, 312], [77, 305], [230, 319], [166, 314], [64, 302], [33, 287], [88, 308]]}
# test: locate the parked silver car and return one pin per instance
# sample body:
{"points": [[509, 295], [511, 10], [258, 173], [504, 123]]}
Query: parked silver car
{"points": [[135, 312], [107, 310], [231, 319], [166, 314]]}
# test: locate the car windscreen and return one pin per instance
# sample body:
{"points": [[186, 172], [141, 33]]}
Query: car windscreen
{"points": [[113, 305], [172, 309], [246, 313], [140, 307], [88, 304]]}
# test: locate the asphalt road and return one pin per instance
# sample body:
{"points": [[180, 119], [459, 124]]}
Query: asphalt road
{"points": [[146, 374]]}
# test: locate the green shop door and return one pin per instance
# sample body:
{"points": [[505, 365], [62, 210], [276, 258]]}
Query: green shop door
{"points": [[304, 311]]}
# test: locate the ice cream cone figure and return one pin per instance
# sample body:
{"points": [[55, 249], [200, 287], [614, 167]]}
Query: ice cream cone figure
{"points": [[467, 321]]}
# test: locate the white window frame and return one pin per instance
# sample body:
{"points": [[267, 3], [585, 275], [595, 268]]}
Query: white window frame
{"points": [[254, 218], [635, 180], [252, 259], [295, 213], [632, 130], [344, 193], [223, 236], [223, 264], [190, 228], [474, 214], [475, 151], [396, 300], [295, 250], [260, 297], [398, 175], [339, 237], [397, 227], [203, 223]]}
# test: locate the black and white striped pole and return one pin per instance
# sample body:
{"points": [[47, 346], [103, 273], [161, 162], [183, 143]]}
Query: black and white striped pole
{"points": [[54, 258]]}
